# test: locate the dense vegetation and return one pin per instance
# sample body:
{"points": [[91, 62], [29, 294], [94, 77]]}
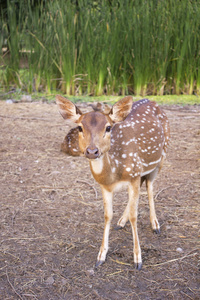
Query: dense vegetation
{"points": [[101, 47]]}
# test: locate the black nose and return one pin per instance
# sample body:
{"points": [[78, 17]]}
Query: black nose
{"points": [[92, 153]]}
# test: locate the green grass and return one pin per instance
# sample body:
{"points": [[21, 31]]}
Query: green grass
{"points": [[109, 99], [102, 47], [162, 100]]}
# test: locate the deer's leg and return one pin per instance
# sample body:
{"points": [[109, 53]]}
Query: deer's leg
{"points": [[108, 214], [125, 217], [134, 190], [153, 219]]}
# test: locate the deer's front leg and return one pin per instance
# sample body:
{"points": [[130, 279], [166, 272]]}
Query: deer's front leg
{"points": [[134, 190], [108, 214]]}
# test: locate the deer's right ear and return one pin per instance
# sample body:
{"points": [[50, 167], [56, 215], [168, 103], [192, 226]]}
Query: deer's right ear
{"points": [[68, 110], [121, 109]]}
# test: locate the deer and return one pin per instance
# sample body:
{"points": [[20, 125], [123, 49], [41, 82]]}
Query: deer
{"points": [[125, 147]]}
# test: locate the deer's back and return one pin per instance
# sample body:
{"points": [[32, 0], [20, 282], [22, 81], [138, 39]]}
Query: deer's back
{"points": [[140, 141]]}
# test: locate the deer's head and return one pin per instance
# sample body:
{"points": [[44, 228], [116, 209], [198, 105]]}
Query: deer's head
{"points": [[94, 127]]}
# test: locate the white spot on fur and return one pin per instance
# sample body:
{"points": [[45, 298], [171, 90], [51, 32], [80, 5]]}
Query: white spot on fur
{"points": [[116, 161]]}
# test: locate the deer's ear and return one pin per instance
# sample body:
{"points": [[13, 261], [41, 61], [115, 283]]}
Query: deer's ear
{"points": [[68, 110], [121, 109]]}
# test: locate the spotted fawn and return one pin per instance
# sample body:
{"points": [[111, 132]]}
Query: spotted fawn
{"points": [[125, 147]]}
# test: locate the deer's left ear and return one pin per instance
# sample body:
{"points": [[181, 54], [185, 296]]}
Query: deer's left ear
{"points": [[121, 109], [68, 110]]}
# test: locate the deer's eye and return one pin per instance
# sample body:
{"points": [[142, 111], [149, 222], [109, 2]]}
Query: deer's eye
{"points": [[80, 129], [108, 128]]}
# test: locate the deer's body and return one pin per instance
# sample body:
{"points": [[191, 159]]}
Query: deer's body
{"points": [[124, 147]]}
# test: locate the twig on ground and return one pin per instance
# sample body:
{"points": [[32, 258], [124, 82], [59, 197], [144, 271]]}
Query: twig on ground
{"points": [[30, 295], [20, 297], [82, 181], [85, 203], [175, 259], [76, 200], [5, 252], [162, 191], [120, 262], [115, 273], [186, 295]]}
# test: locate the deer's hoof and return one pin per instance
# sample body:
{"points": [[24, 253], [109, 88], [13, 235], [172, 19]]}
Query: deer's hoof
{"points": [[99, 263], [118, 227], [155, 226], [157, 230], [138, 266]]}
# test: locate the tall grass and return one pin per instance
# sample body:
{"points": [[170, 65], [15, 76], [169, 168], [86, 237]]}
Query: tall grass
{"points": [[94, 48]]}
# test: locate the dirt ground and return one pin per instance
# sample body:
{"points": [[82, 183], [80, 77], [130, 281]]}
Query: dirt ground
{"points": [[51, 216]]}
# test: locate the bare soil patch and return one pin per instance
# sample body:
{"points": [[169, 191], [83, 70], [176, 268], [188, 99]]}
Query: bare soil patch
{"points": [[51, 216]]}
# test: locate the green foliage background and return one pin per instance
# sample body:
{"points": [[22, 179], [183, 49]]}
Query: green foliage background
{"points": [[101, 47]]}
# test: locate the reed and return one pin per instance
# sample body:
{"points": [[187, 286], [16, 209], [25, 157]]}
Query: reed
{"points": [[95, 48]]}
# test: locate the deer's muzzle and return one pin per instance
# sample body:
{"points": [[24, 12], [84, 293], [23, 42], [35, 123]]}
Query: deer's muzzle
{"points": [[92, 153]]}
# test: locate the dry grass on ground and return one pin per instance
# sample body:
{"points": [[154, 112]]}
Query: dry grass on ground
{"points": [[51, 216]]}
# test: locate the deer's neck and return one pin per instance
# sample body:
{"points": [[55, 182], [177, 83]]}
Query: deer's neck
{"points": [[103, 169]]}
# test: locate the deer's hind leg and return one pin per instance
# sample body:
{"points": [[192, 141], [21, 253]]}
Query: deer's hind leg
{"points": [[134, 190], [149, 183], [125, 217]]}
